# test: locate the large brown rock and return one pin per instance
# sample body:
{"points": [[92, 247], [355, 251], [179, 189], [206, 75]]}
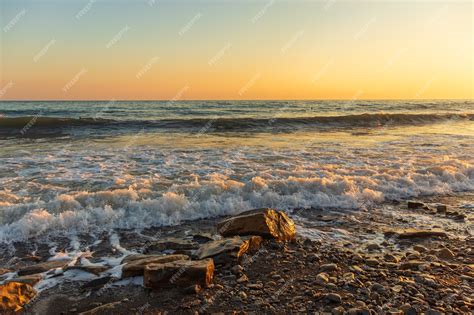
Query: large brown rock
{"points": [[268, 223], [14, 295], [136, 267], [181, 273], [43, 267], [226, 250], [30, 279]]}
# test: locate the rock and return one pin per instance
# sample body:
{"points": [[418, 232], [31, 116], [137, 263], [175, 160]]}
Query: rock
{"points": [[243, 295], [329, 267], [109, 308], [417, 233], [178, 245], [225, 250], [420, 249], [391, 258], [43, 267], [411, 264], [322, 278], [4, 271], [243, 279], [333, 297], [14, 296], [373, 247], [372, 262], [136, 267], [415, 204], [255, 286], [202, 238], [133, 257], [237, 269], [30, 279], [95, 269], [255, 242], [445, 254], [408, 309], [267, 223], [181, 273]]}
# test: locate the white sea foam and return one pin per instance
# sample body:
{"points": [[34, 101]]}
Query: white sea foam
{"points": [[100, 189]]}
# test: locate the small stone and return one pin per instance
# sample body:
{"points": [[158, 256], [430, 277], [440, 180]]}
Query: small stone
{"points": [[243, 279], [420, 249], [373, 247], [391, 258], [334, 297], [358, 311], [322, 278], [243, 295], [237, 269], [329, 267], [445, 254], [372, 262], [255, 286]]}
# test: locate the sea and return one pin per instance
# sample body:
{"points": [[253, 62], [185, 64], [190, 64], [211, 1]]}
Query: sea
{"points": [[69, 167]]}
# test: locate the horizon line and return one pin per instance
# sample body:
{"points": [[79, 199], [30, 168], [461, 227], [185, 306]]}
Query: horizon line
{"points": [[238, 100]]}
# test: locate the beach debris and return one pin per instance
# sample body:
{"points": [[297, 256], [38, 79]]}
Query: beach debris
{"points": [[265, 222], [14, 295], [43, 267], [181, 273], [136, 267]]}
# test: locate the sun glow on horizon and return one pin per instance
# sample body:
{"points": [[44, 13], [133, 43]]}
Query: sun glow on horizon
{"points": [[236, 50]]}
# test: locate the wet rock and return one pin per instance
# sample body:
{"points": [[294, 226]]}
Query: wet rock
{"points": [[255, 286], [338, 311], [412, 264], [358, 311], [225, 250], [43, 267], [202, 238], [445, 254], [136, 267], [94, 269], [417, 233], [180, 273], [391, 258], [14, 296], [267, 223], [378, 288]]}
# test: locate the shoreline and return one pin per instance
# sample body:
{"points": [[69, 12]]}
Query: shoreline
{"points": [[375, 271]]}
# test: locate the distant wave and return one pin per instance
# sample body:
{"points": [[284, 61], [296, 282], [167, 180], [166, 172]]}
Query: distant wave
{"points": [[11, 125]]}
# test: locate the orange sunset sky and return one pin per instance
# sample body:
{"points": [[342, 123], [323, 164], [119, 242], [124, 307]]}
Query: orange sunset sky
{"points": [[138, 50]]}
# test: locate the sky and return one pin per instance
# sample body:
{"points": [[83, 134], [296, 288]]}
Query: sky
{"points": [[224, 49]]}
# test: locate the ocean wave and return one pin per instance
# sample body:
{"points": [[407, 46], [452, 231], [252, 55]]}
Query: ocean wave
{"points": [[15, 124], [142, 206]]}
